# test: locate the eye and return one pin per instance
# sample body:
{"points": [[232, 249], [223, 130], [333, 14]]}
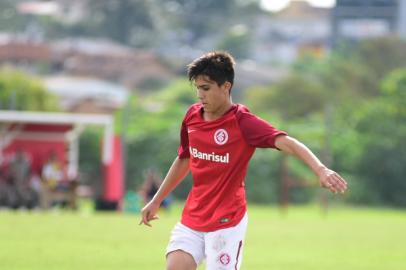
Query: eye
{"points": [[203, 88]]}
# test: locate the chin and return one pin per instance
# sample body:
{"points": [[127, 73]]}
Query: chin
{"points": [[206, 108]]}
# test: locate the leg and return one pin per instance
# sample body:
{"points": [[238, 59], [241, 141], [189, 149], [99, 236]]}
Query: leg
{"points": [[185, 250], [45, 196], [224, 247], [180, 260]]}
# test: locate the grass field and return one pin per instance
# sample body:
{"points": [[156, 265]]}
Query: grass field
{"points": [[347, 238]]}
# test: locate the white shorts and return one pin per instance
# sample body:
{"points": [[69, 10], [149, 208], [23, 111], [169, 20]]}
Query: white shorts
{"points": [[222, 249]]}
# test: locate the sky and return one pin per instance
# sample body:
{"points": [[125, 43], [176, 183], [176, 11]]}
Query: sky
{"points": [[276, 5]]}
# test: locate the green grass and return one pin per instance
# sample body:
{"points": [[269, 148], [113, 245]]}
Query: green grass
{"points": [[347, 238]]}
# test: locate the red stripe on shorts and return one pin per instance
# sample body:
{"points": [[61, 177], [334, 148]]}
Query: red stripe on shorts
{"points": [[238, 255]]}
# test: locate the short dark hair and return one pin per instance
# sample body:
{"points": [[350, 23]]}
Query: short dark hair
{"points": [[218, 66]]}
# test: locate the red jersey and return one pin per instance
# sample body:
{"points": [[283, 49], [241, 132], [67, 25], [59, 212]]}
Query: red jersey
{"points": [[219, 153]]}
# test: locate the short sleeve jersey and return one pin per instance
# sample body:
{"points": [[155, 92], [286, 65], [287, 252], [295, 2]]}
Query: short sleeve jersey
{"points": [[219, 152]]}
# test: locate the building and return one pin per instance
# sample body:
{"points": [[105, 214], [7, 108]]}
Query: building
{"points": [[354, 20], [296, 29], [67, 11], [87, 95], [19, 50]]}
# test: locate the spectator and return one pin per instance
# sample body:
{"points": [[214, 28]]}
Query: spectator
{"points": [[53, 177], [52, 171], [20, 175], [150, 186]]}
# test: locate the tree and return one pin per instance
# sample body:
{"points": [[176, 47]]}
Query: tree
{"points": [[10, 20], [126, 21], [381, 56], [152, 131], [298, 103], [383, 130], [237, 41], [19, 91], [200, 18], [296, 96]]}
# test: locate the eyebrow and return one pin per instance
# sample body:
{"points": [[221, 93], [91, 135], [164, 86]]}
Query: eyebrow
{"points": [[202, 85]]}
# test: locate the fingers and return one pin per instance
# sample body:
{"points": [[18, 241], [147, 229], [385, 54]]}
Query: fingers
{"points": [[335, 183], [145, 221], [340, 183], [146, 217]]}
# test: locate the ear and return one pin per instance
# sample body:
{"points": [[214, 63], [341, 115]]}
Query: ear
{"points": [[227, 86]]}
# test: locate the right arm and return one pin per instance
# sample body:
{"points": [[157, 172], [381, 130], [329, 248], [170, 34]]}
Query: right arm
{"points": [[177, 172]]}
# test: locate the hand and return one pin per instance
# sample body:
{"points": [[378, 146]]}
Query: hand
{"points": [[332, 181], [148, 213]]}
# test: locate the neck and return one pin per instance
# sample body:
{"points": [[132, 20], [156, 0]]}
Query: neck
{"points": [[210, 116]]}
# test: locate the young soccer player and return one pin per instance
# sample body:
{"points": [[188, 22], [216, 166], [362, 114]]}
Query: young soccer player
{"points": [[217, 140]]}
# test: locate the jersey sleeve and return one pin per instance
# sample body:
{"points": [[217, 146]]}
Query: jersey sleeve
{"points": [[183, 150], [257, 132]]}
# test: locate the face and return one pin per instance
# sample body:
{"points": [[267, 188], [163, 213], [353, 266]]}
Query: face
{"points": [[211, 95]]}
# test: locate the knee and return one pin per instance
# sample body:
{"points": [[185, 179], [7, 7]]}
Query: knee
{"points": [[180, 260], [171, 266]]}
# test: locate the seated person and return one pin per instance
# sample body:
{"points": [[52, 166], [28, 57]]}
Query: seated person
{"points": [[54, 182], [150, 187], [19, 178], [52, 172]]}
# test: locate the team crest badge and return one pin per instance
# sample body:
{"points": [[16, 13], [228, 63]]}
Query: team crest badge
{"points": [[224, 259], [221, 136]]}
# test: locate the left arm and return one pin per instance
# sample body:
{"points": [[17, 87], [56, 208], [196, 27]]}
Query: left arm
{"points": [[328, 178]]}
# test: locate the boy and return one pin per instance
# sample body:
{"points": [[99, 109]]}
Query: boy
{"points": [[218, 138]]}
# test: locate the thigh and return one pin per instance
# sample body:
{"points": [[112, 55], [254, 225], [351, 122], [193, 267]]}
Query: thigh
{"points": [[224, 247], [185, 243]]}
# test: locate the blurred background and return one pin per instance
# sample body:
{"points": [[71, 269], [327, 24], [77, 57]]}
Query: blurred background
{"points": [[92, 94], [330, 73]]}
